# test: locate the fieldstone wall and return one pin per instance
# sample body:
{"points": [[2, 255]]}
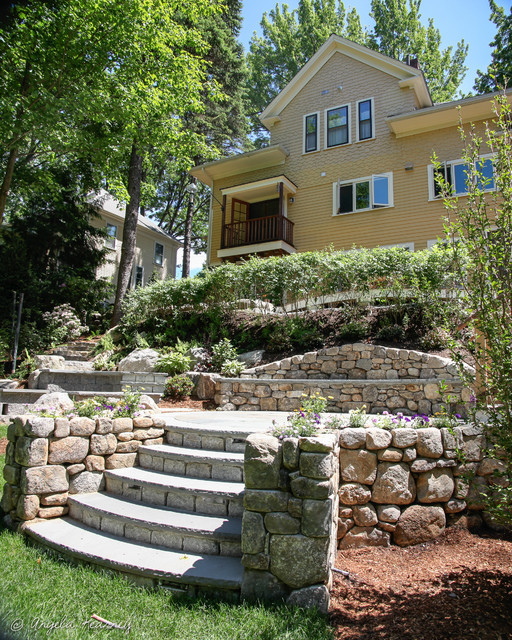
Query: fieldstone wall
{"points": [[406, 396], [404, 486], [358, 361], [49, 458], [290, 517]]}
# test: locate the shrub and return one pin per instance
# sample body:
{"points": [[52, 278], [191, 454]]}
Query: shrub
{"points": [[353, 331], [232, 368], [178, 387], [63, 324], [173, 363], [129, 406], [222, 352]]}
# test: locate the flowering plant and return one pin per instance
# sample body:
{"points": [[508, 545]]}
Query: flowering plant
{"points": [[304, 421]]}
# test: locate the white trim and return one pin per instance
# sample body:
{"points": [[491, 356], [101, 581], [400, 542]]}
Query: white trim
{"points": [[372, 103], [256, 248], [326, 122], [157, 264], [403, 245], [114, 246], [267, 182], [135, 267], [307, 115]]}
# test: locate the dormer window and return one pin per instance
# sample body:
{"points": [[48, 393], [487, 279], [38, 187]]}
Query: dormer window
{"points": [[311, 129], [365, 123], [337, 126]]}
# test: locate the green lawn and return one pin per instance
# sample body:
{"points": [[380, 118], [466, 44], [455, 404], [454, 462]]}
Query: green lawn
{"points": [[40, 590]]}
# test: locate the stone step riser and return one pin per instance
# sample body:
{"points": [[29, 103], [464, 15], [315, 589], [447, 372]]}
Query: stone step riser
{"points": [[228, 471], [205, 440], [177, 498], [161, 536]]}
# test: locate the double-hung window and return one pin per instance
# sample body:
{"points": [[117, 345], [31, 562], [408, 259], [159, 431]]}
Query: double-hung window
{"points": [[337, 126], [363, 194], [365, 120], [139, 277], [311, 131], [159, 254], [110, 240], [457, 175]]}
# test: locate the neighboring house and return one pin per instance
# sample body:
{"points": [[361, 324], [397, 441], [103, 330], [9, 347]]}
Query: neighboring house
{"points": [[155, 250], [349, 162]]}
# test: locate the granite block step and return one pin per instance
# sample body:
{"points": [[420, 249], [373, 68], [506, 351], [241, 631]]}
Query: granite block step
{"points": [[215, 437], [153, 564], [178, 530], [199, 463], [199, 495]]}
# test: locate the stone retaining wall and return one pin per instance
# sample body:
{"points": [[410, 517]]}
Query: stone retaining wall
{"points": [[49, 458], [358, 361], [106, 381], [290, 517], [404, 485], [407, 396]]}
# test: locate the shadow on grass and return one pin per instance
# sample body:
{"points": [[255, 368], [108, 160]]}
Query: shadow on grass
{"points": [[469, 605]]}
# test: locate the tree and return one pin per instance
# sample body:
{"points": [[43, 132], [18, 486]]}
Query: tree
{"points": [[499, 72], [480, 228], [398, 32], [289, 39], [223, 124]]}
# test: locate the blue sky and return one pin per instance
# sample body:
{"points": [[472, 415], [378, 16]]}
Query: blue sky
{"points": [[455, 19]]}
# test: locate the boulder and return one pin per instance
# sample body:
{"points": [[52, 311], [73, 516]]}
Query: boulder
{"points": [[435, 486], [262, 461], [253, 532], [49, 479], [251, 358], [419, 524], [205, 387], [59, 401], [299, 561], [365, 537], [316, 596], [86, 482], [394, 484], [148, 403], [354, 493], [140, 360], [358, 465], [49, 362], [70, 449]]}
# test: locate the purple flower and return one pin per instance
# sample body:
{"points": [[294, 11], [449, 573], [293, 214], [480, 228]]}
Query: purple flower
{"points": [[457, 415]]}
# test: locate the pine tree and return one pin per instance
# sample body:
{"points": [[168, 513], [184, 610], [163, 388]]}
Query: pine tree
{"points": [[499, 72]]}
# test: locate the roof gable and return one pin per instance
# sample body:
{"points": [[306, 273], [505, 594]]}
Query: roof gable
{"points": [[406, 76]]}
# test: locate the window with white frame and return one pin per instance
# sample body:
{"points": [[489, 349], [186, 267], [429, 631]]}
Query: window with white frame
{"points": [[159, 254], [408, 246], [365, 120], [363, 194], [110, 240], [337, 126], [456, 174], [311, 131]]}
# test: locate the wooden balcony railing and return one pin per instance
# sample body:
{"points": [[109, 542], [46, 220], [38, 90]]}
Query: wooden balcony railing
{"points": [[238, 234]]}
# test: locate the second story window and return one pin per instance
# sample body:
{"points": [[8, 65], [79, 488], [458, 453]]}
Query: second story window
{"points": [[311, 132], [363, 194], [337, 126], [457, 175], [110, 240], [159, 254], [365, 119]]}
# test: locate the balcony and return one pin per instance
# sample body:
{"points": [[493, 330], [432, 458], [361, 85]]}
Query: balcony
{"points": [[257, 231]]}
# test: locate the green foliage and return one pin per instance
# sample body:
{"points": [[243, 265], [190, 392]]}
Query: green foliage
{"points": [[481, 223], [62, 324], [499, 72], [232, 368], [178, 387], [357, 417], [129, 406], [222, 352], [173, 363], [353, 331], [304, 421], [399, 421], [104, 363]]}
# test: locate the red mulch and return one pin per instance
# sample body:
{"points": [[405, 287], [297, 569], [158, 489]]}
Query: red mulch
{"points": [[188, 403], [457, 587]]}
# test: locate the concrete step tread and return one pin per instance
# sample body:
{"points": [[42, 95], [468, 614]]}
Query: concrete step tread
{"points": [[185, 483], [75, 539], [192, 455], [160, 517]]}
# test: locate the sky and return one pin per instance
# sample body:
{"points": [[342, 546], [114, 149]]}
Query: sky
{"points": [[455, 19]]}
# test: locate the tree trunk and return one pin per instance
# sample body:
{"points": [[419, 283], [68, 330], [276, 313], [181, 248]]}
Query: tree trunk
{"points": [[129, 232], [6, 184], [187, 237]]}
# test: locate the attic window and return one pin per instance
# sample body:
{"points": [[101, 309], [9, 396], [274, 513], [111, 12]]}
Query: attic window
{"points": [[337, 124]]}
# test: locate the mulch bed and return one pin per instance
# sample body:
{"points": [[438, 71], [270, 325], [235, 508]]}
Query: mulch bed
{"points": [[458, 586]]}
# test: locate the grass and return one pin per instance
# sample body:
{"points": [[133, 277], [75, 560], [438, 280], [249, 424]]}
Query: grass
{"points": [[44, 596]]}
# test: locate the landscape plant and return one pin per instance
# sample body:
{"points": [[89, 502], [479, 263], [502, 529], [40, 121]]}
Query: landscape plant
{"points": [[173, 363], [479, 228], [305, 421], [178, 387]]}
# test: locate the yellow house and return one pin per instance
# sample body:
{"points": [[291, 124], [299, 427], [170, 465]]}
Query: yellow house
{"points": [[155, 253], [349, 161]]}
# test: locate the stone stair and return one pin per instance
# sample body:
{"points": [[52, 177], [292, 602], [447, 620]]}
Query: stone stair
{"points": [[174, 520], [79, 351]]}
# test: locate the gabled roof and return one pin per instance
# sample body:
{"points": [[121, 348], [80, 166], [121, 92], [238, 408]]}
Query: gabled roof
{"points": [[406, 75], [104, 201]]}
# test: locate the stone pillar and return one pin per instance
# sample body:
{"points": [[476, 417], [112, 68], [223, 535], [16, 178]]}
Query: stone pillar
{"points": [[290, 518]]}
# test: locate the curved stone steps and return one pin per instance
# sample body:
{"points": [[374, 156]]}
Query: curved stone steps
{"points": [[213, 497], [137, 559], [177, 530]]}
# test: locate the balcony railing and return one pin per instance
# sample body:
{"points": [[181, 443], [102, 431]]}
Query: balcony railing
{"points": [[268, 229]]}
